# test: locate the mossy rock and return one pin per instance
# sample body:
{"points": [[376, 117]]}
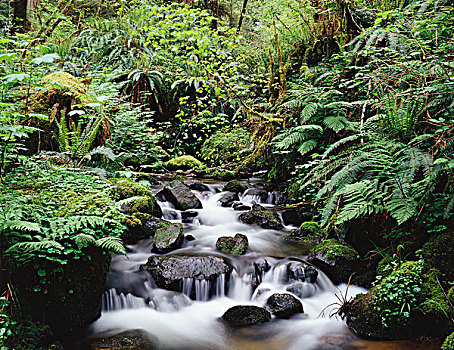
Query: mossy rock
{"points": [[435, 307], [310, 232], [143, 205], [448, 344], [339, 261], [235, 186], [130, 340], [184, 163], [265, 218], [168, 237], [246, 315], [439, 254], [126, 188], [233, 245]]}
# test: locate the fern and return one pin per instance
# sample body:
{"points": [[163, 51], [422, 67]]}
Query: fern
{"points": [[112, 244]]}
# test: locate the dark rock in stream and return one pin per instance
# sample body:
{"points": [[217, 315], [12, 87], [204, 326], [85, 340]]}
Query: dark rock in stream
{"points": [[228, 198], [261, 195], [235, 186], [188, 216], [293, 215], [284, 305], [302, 290], [141, 229], [339, 261], [300, 271], [278, 198], [233, 245], [180, 196], [265, 218], [240, 206], [136, 339], [168, 238], [189, 238], [169, 271], [246, 315], [196, 185]]}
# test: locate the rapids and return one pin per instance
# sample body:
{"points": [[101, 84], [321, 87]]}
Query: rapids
{"points": [[174, 321]]}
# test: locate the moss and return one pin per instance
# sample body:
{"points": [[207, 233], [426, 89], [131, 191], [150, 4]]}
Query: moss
{"points": [[311, 228], [448, 344], [126, 188], [131, 221], [439, 254], [333, 250], [145, 205], [235, 186], [184, 163], [451, 295]]}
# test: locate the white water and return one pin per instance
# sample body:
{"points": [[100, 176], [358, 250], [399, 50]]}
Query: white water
{"points": [[176, 322]]}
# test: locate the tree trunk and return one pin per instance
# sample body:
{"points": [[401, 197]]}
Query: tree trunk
{"points": [[20, 22], [243, 12]]}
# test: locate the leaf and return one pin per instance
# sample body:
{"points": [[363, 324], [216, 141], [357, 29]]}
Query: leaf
{"points": [[13, 78], [48, 58]]}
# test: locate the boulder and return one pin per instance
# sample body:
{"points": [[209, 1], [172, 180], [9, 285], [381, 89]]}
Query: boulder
{"points": [[235, 186], [142, 204], [240, 206], [140, 226], [168, 238], [439, 253], [180, 196], [339, 261], [228, 198], [284, 305], [246, 315], [302, 289], [188, 216], [183, 163], [257, 194], [196, 185], [136, 339], [299, 271], [278, 198], [233, 245], [309, 231], [265, 218], [293, 215], [169, 271]]}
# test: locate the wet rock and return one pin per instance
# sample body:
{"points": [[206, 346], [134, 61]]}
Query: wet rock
{"points": [[278, 198], [189, 238], [299, 271], [284, 305], [246, 315], [228, 198], [233, 245], [169, 271], [184, 163], [256, 193], [302, 290], [339, 261], [142, 204], [240, 206], [292, 215], [259, 268], [265, 218], [141, 227], [168, 238], [180, 196], [188, 216], [235, 186], [134, 339], [196, 185]]}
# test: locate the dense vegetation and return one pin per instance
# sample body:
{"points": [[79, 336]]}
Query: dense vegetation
{"points": [[349, 105]]}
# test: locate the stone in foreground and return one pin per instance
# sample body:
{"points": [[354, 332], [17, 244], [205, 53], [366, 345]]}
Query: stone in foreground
{"points": [[246, 315]]}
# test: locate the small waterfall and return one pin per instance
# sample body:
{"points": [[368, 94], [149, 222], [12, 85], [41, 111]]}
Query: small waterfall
{"points": [[220, 286], [187, 286], [240, 288], [202, 290], [250, 199], [113, 301]]}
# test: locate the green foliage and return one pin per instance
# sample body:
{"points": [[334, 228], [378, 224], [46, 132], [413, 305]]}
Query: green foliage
{"points": [[448, 344], [53, 214], [399, 292], [184, 163], [226, 145]]}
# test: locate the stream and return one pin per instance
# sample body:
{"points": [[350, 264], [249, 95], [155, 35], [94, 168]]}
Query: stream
{"points": [[175, 321]]}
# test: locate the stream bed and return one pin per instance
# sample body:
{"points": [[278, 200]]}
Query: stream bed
{"points": [[191, 318]]}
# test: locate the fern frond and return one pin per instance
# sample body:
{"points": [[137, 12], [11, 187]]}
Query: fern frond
{"points": [[112, 244], [84, 240]]}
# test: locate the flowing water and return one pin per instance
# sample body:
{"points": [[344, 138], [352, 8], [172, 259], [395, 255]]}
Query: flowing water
{"points": [[174, 321]]}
